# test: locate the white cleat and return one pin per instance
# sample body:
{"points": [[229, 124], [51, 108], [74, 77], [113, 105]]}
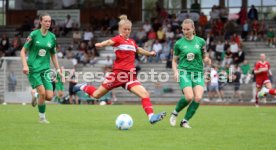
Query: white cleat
{"points": [[43, 120], [34, 99], [173, 119], [262, 93], [185, 124]]}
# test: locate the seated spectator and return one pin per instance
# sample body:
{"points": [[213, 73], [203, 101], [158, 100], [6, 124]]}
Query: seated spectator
{"points": [[252, 13], [108, 62], [245, 72], [240, 57], [165, 52], [161, 36], [271, 40], [88, 35], [77, 37], [147, 26], [228, 58], [157, 47], [255, 31], [152, 35]]}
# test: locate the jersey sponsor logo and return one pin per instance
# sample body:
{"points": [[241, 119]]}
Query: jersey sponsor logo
{"points": [[42, 52], [49, 44], [125, 47], [190, 56]]}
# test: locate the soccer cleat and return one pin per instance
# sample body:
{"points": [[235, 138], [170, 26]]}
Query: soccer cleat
{"points": [[185, 124], [43, 120], [34, 99], [78, 86], [173, 119], [157, 117], [262, 93]]}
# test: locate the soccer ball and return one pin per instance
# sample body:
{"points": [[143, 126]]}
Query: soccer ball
{"points": [[124, 122]]}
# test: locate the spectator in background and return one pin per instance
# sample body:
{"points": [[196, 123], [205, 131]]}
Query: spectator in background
{"points": [[242, 16], [271, 40], [255, 31], [77, 36], [108, 62], [219, 51], [222, 82], [236, 81], [195, 7], [240, 57], [72, 82], [113, 25], [252, 13], [161, 36], [12, 82], [157, 48], [245, 29], [5, 45], [147, 26], [203, 21], [228, 58], [88, 35], [214, 85], [15, 44], [152, 35], [140, 37], [245, 72], [68, 25]]}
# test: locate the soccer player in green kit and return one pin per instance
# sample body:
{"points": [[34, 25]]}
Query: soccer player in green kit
{"points": [[191, 53], [41, 47]]}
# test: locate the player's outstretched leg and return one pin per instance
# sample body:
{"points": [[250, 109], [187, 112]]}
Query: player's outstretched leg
{"points": [[154, 118], [79, 87]]}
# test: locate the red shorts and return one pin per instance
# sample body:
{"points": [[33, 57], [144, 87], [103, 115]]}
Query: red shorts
{"points": [[125, 79], [261, 80]]}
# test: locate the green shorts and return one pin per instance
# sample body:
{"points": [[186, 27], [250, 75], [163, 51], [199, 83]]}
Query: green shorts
{"points": [[40, 78], [188, 79], [59, 86]]}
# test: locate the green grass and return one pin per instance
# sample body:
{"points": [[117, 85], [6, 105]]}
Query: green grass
{"points": [[93, 127]]}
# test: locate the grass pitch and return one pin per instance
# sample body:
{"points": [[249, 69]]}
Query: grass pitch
{"points": [[88, 127]]}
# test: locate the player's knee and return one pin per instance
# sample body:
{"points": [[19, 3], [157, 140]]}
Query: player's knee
{"points": [[48, 97], [198, 98], [145, 94], [189, 97]]}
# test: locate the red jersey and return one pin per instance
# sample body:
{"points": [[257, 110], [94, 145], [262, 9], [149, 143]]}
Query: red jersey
{"points": [[259, 65], [125, 50]]}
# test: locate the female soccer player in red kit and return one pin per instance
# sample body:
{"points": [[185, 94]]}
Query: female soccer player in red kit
{"points": [[123, 73], [263, 84]]}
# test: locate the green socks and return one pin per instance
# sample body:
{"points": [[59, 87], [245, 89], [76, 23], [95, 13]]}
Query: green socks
{"points": [[42, 108], [191, 110], [182, 103]]}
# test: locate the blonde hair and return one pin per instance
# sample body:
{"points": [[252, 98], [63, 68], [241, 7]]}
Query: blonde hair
{"points": [[189, 21], [123, 20]]}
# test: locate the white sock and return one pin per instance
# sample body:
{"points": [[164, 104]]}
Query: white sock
{"points": [[175, 112], [150, 115], [36, 95], [42, 115], [82, 87]]}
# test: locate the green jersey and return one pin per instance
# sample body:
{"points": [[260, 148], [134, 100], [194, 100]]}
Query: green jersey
{"points": [[190, 54], [40, 47]]}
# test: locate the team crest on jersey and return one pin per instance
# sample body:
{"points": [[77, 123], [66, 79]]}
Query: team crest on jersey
{"points": [[42, 52], [197, 46], [190, 56]]}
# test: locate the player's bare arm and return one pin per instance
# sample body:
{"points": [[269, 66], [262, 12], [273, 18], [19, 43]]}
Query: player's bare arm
{"points": [[174, 66], [105, 43], [24, 61], [145, 52]]}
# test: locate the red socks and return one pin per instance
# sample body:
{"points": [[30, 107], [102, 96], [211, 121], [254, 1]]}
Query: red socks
{"points": [[89, 89], [147, 106], [272, 92]]}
